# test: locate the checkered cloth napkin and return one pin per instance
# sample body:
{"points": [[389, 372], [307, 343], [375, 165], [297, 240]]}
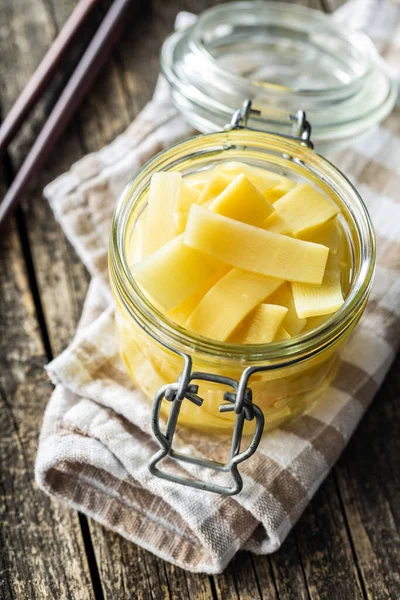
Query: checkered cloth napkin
{"points": [[96, 441]]}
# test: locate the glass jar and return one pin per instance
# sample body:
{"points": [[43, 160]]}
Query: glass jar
{"points": [[220, 387], [283, 57], [284, 377]]}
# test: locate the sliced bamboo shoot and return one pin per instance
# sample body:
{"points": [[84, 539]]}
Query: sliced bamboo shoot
{"points": [[197, 185], [181, 313], [292, 323], [187, 196], [213, 188], [316, 300], [262, 179], [241, 201], [262, 324], [228, 302], [180, 220], [327, 234], [277, 191], [277, 224], [305, 208], [314, 322], [282, 334], [199, 180], [174, 272], [254, 249], [162, 204]]}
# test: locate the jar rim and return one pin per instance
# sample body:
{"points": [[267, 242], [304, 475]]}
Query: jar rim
{"points": [[206, 92], [174, 336]]}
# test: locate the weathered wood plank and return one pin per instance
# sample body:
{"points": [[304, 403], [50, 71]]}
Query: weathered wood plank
{"points": [[54, 567], [240, 580], [42, 553], [325, 549], [127, 569], [316, 557], [28, 34], [284, 571], [368, 479], [117, 559], [368, 484]]}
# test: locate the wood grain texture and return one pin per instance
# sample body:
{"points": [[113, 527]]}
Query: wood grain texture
{"points": [[346, 544], [287, 571], [41, 549], [368, 477]]}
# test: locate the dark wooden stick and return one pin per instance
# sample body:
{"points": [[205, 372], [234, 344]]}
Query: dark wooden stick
{"points": [[82, 78], [37, 84]]}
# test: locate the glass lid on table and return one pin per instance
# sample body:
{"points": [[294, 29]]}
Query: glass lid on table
{"points": [[284, 57]]}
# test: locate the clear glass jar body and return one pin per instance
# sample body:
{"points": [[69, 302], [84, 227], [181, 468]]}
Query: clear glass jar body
{"points": [[298, 369]]}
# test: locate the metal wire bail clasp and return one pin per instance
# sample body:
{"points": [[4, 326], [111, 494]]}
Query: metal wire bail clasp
{"points": [[301, 128], [238, 400], [241, 116]]}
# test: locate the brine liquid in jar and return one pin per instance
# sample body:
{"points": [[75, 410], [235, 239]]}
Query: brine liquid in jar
{"points": [[244, 256]]}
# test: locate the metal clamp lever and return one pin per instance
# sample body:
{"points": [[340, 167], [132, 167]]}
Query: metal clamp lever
{"points": [[241, 116], [301, 128], [239, 400]]}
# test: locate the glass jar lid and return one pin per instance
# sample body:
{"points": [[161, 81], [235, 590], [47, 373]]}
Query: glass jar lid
{"points": [[284, 57]]}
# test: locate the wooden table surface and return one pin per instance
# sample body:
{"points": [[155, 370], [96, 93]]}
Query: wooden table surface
{"points": [[345, 545]]}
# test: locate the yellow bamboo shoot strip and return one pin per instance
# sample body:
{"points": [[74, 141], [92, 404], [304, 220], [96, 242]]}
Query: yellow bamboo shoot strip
{"points": [[174, 272], [262, 324], [316, 300], [213, 188], [181, 313], [262, 179], [277, 191], [241, 201], [180, 220], [187, 196], [314, 322], [277, 224], [304, 208], [254, 249], [327, 234], [228, 302], [198, 186], [162, 204], [200, 178], [292, 323], [282, 334]]}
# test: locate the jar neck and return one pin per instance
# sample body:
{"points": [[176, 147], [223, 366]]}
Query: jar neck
{"points": [[203, 152]]}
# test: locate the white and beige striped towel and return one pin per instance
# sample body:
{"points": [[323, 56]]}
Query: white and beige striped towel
{"points": [[95, 441]]}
